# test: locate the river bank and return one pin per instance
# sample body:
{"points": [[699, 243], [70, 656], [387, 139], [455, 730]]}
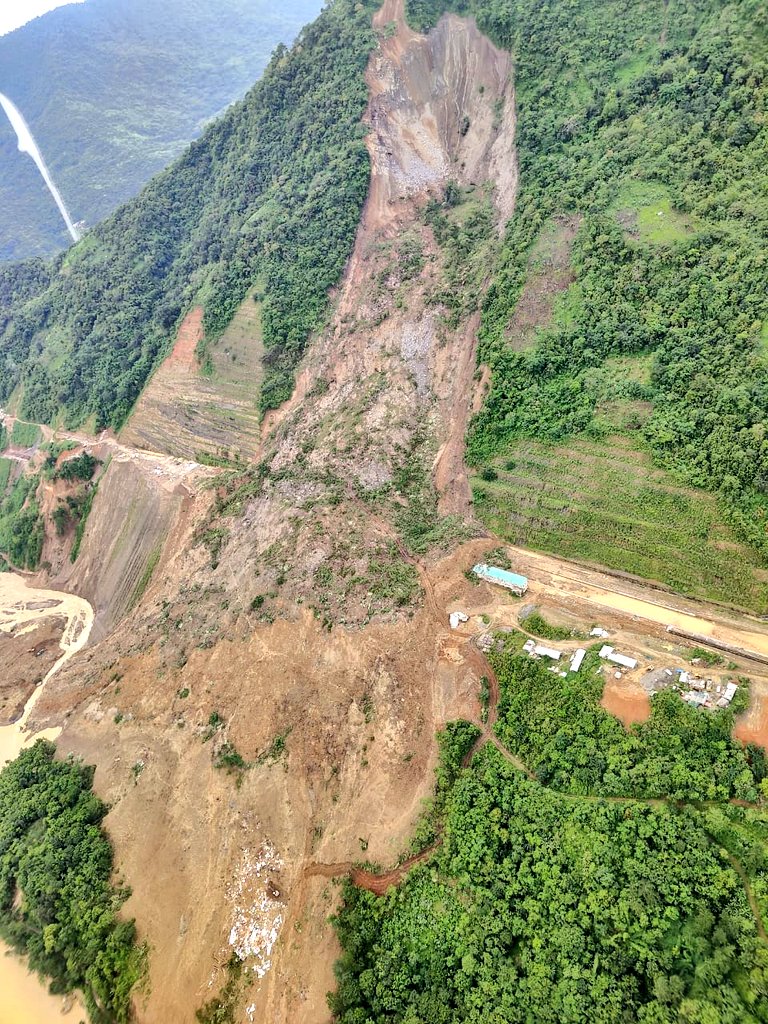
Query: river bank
{"points": [[24, 999], [21, 606]]}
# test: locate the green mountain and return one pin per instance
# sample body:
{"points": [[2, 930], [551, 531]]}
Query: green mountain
{"points": [[113, 92], [272, 191], [568, 869]]}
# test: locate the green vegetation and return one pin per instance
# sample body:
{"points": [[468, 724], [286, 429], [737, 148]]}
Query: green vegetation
{"points": [[143, 582], [559, 729], [548, 902], [536, 623], [21, 525], [603, 501], [25, 435], [6, 465], [57, 903], [83, 511], [272, 192], [81, 467], [113, 96], [647, 124], [708, 658], [223, 1007]]}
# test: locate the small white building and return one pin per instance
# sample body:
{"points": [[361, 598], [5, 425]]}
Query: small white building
{"points": [[730, 692], [456, 618], [547, 652], [576, 660], [609, 654]]}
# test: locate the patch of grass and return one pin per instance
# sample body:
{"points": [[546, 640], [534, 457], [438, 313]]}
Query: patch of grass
{"points": [[604, 502], [485, 698], [143, 581], [25, 435], [536, 623], [655, 219], [396, 581], [276, 749], [5, 473], [85, 511], [221, 1009], [229, 757], [708, 658], [215, 722]]}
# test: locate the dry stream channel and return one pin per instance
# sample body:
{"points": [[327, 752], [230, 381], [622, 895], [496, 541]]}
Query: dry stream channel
{"points": [[23, 999]]}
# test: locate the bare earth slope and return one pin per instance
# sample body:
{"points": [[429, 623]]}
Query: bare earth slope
{"points": [[357, 708], [183, 412]]}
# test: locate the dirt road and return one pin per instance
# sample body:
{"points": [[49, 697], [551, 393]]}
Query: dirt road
{"points": [[604, 593]]}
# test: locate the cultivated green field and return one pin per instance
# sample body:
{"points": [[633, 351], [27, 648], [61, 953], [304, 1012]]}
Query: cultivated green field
{"points": [[604, 502]]}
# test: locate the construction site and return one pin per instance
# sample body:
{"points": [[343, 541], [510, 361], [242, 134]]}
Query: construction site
{"points": [[647, 638]]}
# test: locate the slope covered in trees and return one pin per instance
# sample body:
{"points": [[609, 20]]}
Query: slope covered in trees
{"points": [[550, 902], [113, 91], [272, 191], [57, 902], [646, 124]]}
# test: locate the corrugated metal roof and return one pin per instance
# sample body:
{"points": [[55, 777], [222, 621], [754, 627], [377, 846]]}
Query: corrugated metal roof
{"points": [[502, 576], [577, 659], [547, 652]]}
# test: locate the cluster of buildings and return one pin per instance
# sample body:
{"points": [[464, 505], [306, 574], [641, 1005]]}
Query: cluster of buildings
{"points": [[535, 650], [695, 690]]}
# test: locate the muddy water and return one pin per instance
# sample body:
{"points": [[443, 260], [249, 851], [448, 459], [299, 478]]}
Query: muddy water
{"points": [[23, 999], [22, 606]]}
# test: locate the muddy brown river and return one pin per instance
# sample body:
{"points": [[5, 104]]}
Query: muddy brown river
{"points": [[23, 999]]}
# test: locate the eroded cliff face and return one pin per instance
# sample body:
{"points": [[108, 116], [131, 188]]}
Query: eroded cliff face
{"points": [[292, 626]]}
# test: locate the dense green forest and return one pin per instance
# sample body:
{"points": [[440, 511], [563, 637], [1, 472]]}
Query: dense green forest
{"points": [[604, 889], [647, 122], [57, 902], [272, 191], [113, 92]]}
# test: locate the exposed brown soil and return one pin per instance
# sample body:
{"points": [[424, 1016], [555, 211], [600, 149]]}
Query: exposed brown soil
{"points": [[189, 336], [358, 701], [628, 701], [26, 654], [184, 412]]}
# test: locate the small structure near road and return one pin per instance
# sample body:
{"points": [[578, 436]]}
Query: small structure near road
{"points": [[609, 654], [456, 618], [541, 651], [503, 577], [698, 691], [577, 658]]}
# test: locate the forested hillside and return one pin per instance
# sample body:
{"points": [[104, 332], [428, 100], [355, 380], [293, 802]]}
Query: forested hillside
{"points": [[57, 902], [272, 191], [113, 91], [546, 903], [644, 127]]}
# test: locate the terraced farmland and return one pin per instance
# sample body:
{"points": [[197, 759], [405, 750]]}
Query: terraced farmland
{"points": [[604, 502]]}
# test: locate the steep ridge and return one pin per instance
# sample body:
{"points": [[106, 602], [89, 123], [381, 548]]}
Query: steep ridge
{"points": [[382, 395]]}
